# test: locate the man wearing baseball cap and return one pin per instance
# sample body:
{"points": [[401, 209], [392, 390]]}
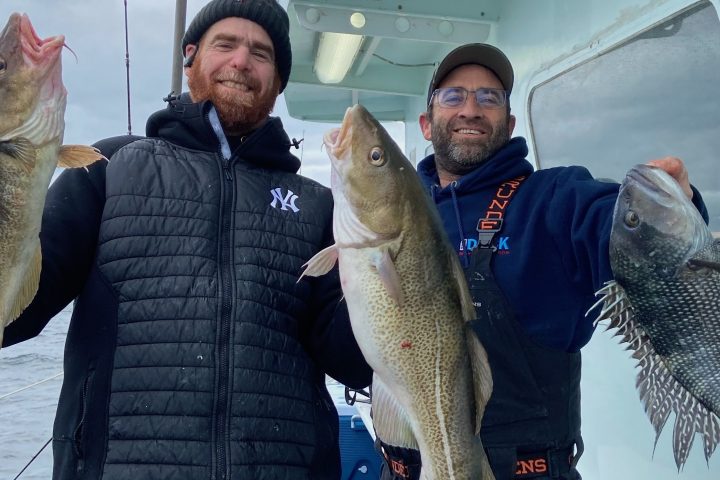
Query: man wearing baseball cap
{"points": [[193, 351], [534, 247]]}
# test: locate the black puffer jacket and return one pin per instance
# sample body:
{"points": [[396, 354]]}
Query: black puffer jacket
{"points": [[193, 352]]}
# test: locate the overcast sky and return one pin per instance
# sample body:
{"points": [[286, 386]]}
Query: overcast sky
{"points": [[96, 80]]}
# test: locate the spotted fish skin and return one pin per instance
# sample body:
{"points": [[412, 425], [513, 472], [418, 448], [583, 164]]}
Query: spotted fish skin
{"points": [[408, 302], [665, 303]]}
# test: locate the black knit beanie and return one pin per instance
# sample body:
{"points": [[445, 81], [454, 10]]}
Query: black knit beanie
{"points": [[266, 13]]}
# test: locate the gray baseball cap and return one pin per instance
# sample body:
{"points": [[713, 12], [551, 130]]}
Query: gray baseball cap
{"points": [[477, 54]]}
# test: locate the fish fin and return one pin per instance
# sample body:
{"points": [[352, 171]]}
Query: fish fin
{"points": [[321, 263], [616, 306], [21, 149], [466, 301], [28, 289], [711, 434], [390, 421], [661, 393], [76, 156], [389, 277], [482, 376]]}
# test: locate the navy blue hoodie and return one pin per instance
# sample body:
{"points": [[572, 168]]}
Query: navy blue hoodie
{"points": [[553, 248]]}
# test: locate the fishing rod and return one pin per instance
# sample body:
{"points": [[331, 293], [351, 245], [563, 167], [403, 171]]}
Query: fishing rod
{"points": [[127, 69], [33, 458], [177, 65]]}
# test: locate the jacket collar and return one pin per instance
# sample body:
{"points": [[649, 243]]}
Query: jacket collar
{"points": [[186, 124]]}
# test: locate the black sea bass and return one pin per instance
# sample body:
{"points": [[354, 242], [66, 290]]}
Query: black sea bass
{"points": [[408, 301], [665, 301], [32, 107]]}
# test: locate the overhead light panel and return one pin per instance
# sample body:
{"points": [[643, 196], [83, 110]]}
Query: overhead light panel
{"points": [[335, 55]]}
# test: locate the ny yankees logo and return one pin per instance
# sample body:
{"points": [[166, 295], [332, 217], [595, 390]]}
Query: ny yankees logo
{"points": [[288, 201]]}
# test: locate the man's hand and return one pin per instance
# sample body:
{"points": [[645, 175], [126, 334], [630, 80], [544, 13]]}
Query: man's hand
{"points": [[676, 169]]}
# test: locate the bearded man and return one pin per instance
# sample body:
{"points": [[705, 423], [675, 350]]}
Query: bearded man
{"points": [[534, 247], [193, 352]]}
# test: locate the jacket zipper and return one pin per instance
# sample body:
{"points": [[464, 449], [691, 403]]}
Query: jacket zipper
{"points": [[227, 170], [224, 344], [221, 469], [79, 433]]}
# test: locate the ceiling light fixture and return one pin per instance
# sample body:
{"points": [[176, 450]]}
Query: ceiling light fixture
{"points": [[335, 55]]}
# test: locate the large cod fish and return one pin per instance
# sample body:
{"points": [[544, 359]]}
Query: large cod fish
{"points": [[408, 302], [32, 107], [665, 302]]}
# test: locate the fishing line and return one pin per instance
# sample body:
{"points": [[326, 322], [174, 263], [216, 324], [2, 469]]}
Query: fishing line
{"points": [[30, 386], [127, 69], [33, 459], [302, 150]]}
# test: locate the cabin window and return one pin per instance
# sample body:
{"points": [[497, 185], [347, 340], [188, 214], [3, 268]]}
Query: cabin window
{"points": [[654, 95]]}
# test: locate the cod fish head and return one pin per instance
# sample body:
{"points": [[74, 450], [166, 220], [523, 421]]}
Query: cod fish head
{"points": [[654, 223], [370, 179], [31, 89]]}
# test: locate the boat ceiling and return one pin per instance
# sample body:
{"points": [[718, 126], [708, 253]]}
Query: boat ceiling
{"points": [[403, 40]]}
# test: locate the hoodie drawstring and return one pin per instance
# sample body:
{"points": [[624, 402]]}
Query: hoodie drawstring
{"points": [[433, 192], [220, 133]]}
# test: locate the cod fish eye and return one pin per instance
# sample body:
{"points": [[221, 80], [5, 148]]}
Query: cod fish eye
{"points": [[632, 219], [3, 65], [377, 156]]}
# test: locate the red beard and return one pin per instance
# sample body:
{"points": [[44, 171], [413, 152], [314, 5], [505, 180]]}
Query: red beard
{"points": [[240, 112]]}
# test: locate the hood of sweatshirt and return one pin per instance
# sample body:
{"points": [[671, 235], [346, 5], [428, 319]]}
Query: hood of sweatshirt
{"points": [[507, 163]]}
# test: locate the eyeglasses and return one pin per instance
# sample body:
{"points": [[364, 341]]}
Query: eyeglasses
{"points": [[455, 97]]}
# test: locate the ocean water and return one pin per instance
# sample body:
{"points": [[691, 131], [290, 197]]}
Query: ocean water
{"points": [[27, 416], [618, 437]]}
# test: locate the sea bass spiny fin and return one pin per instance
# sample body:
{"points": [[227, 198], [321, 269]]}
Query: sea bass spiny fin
{"points": [[321, 263], [28, 289], [615, 305], [76, 156], [482, 376], [389, 418], [660, 392], [21, 149], [711, 438], [389, 277]]}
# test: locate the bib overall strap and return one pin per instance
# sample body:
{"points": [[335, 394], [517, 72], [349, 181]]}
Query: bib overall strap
{"points": [[492, 222]]}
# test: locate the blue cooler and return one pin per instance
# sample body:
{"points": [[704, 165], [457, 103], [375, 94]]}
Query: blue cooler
{"points": [[359, 459]]}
